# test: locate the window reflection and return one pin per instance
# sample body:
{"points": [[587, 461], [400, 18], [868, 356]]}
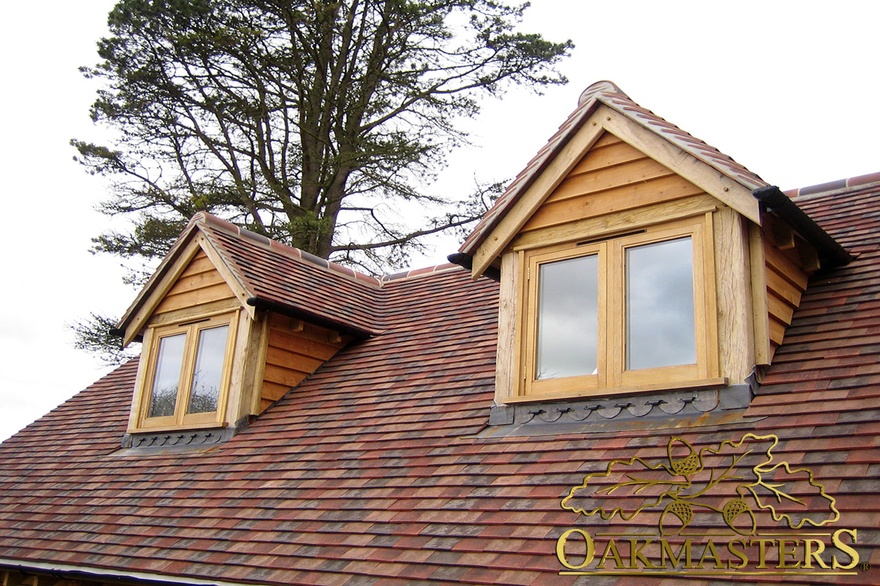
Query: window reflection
{"points": [[167, 380], [660, 305], [205, 390], [568, 318]]}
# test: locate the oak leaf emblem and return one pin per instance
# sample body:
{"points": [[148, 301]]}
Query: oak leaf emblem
{"points": [[735, 480]]}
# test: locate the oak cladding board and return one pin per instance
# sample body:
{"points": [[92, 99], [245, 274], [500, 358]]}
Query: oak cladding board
{"points": [[200, 283], [786, 282], [629, 180], [295, 349]]}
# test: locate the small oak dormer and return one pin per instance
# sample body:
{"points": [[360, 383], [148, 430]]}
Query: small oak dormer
{"points": [[634, 257], [230, 322]]}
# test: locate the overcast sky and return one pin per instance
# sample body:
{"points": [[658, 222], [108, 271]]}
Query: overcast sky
{"points": [[787, 88]]}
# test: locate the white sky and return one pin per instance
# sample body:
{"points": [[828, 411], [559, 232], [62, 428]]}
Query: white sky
{"points": [[788, 88]]}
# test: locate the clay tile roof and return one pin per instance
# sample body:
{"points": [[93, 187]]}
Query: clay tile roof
{"points": [[418, 272], [382, 468], [840, 184], [605, 92], [282, 277], [379, 467], [288, 280]]}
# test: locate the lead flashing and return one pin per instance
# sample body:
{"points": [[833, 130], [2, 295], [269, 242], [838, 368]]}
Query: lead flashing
{"points": [[616, 412]]}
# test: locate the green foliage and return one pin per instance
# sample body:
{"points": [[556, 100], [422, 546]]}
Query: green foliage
{"points": [[275, 114], [96, 335], [302, 230], [303, 120], [150, 238]]}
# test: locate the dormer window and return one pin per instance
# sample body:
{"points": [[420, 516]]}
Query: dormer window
{"points": [[188, 374], [634, 258], [629, 310], [231, 322]]}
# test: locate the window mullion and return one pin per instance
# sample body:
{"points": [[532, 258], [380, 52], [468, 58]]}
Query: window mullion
{"points": [[189, 359], [615, 318]]}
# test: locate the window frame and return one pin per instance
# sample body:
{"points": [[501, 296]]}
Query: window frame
{"points": [[589, 382], [612, 375], [192, 328]]}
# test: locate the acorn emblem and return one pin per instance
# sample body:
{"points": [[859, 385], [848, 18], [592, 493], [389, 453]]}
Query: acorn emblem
{"points": [[738, 516], [682, 511], [685, 466]]}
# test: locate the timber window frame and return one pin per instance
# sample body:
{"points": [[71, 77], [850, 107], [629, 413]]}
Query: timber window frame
{"points": [[186, 350], [611, 374]]}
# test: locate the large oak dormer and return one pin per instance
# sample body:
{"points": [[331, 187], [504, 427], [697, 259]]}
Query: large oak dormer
{"points": [[634, 257], [230, 322]]}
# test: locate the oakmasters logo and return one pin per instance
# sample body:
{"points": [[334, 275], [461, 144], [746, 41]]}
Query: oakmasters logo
{"points": [[698, 512]]}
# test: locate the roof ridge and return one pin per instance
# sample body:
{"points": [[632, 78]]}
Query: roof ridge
{"points": [[299, 254], [597, 88], [413, 273], [290, 251], [832, 186]]}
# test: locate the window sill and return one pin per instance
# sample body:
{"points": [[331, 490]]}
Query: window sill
{"points": [[178, 428], [616, 391], [701, 405]]}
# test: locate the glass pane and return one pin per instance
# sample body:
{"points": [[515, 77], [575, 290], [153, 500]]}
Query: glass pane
{"points": [[208, 372], [568, 318], [164, 394], [660, 305]]}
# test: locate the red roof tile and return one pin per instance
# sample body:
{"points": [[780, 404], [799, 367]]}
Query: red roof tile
{"points": [[380, 468], [283, 276], [288, 280]]}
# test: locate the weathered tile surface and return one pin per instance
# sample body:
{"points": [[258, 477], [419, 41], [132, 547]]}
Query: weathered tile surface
{"points": [[378, 468]]}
